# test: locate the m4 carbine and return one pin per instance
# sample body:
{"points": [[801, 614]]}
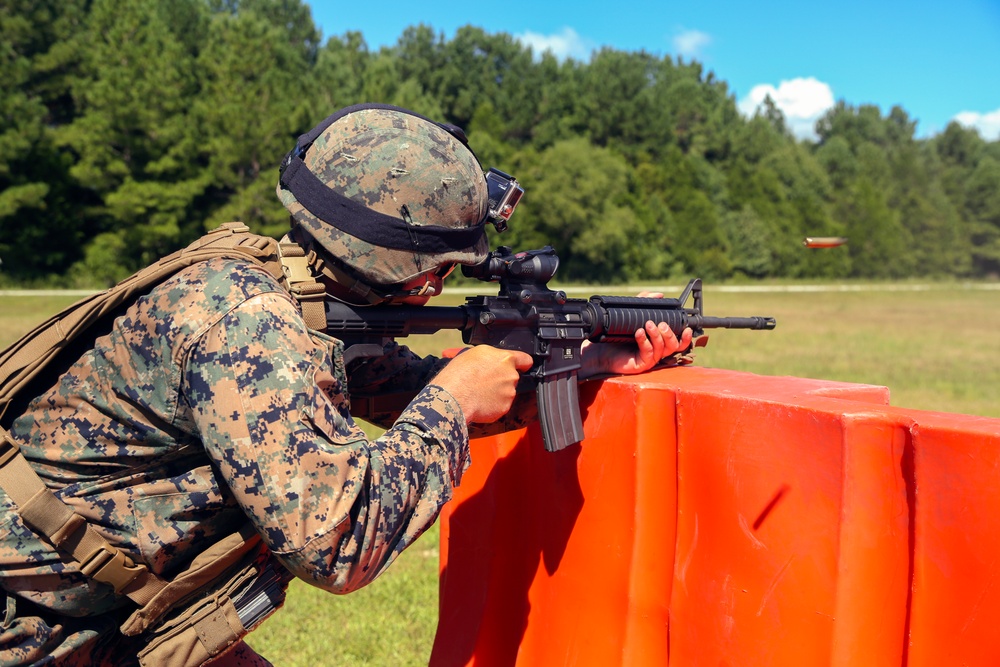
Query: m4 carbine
{"points": [[528, 316]]}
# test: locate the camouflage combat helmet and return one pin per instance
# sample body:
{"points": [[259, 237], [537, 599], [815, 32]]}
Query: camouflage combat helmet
{"points": [[388, 195]]}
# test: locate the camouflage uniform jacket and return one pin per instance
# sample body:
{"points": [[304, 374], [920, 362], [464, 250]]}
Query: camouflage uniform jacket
{"points": [[209, 403]]}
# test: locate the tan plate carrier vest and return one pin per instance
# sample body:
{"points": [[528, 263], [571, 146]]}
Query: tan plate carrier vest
{"points": [[203, 621]]}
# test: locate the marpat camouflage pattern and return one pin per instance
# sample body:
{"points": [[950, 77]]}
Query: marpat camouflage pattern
{"points": [[390, 161], [207, 405]]}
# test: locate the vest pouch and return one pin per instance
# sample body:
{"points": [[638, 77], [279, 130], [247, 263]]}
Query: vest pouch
{"points": [[207, 628], [197, 616], [200, 633]]}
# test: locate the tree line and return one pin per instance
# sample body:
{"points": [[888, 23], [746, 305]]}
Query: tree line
{"points": [[129, 127]]}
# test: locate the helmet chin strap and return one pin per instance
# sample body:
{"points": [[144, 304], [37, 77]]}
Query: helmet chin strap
{"points": [[359, 292], [427, 290]]}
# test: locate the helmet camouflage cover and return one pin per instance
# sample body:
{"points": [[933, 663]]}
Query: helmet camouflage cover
{"points": [[387, 193]]}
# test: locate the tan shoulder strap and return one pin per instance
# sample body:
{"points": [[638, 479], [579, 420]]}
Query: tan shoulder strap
{"points": [[303, 285], [68, 531], [24, 360]]}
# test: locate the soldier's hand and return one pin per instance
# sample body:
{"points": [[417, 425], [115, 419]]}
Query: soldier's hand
{"points": [[652, 344], [483, 380]]}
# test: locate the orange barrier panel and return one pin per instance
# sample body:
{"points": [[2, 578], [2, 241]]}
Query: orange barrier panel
{"points": [[721, 518]]}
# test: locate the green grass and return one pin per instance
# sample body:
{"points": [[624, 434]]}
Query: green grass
{"points": [[18, 314], [936, 350], [389, 622]]}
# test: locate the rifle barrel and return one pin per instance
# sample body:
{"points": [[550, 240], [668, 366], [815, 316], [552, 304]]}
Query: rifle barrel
{"points": [[706, 322]]}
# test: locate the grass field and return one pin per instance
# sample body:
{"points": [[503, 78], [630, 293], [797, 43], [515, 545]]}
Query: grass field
{"points": [[936, 347]]}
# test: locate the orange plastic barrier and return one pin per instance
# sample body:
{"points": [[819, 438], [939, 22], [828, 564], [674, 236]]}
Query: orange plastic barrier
{"points": [[721, 518]]}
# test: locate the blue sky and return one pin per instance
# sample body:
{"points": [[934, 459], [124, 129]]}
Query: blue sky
{"points": [[939, 60]]}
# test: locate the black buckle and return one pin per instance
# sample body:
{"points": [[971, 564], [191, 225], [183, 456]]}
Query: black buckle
{"points": [[297, 152]]}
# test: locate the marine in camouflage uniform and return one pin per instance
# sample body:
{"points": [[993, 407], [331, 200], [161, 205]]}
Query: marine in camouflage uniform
{"points": [[211, 404]]}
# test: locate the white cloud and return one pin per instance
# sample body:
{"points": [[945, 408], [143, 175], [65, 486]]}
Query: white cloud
{"points": [[564, 44], [690, 43], [988, 124], [802, 101]]}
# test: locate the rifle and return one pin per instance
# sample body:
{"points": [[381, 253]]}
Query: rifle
{"points": [[528, 316]]}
